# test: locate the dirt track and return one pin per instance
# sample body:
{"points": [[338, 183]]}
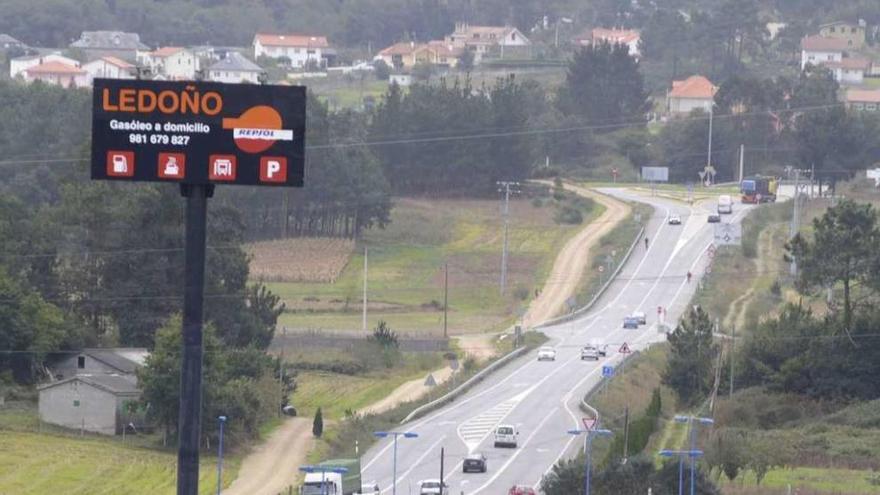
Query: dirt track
{"points": [[272, 466], [572, 259]]}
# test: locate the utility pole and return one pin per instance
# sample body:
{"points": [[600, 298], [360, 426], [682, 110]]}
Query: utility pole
{"points": [[732, 355], [709, 152], [442, 452], [364, 323], [795, 222], [625, 433], [445, 297], [742, 153], [505, 187]]}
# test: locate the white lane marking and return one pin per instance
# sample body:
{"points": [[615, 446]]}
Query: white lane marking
{"points": [[416, 463], [516, 454]]}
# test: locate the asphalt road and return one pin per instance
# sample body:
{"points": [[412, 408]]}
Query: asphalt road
{"points": [[542, 398]]}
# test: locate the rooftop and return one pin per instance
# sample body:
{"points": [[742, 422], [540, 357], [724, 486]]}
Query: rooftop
{"points": [[114, 40], [401, 48], [863, 95], [299, 40], [54, 68], [823, 44], [115, 384], [124, 359], [693, 87], [615, 35], [166, 51], [236, 62], [118, 62]]}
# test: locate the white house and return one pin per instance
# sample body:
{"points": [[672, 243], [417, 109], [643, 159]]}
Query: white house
{"points": [[483, 39], [109, 68], [863, 99], [18, 65], [298, 48], [172, 62], [99, 403], [235, 68], [690, 94], [58, 73], [818, 50], [850, 70], [629, 37]]}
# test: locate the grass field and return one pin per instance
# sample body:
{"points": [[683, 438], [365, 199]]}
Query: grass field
{"points": [[806, 480], [59, 461], [313, 259], [406, 269]]}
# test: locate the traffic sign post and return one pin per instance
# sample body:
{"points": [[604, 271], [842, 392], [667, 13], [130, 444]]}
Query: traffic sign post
{"points": [[196, 134]]}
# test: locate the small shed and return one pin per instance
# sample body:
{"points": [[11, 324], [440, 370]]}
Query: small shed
{"points": [[97, 403]]}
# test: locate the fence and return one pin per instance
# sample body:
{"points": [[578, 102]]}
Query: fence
{"points": [[348, 341]]}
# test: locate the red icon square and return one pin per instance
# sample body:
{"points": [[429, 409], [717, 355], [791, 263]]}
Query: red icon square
{"points": [[222, 167], [120, 163], [273, 169], [171, 166]]}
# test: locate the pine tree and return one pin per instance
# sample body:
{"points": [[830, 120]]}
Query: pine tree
{"points": [[318, 424]]}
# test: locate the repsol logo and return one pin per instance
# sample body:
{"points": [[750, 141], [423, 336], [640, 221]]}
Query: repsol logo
{"points": [[190, 101]]}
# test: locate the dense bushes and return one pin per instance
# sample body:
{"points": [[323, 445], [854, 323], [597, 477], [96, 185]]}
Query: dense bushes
{"points": [[640, 431]]}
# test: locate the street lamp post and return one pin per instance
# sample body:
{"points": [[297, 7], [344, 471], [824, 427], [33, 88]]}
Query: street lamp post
{"points": [[222, 420], [323, 470], [590, 433], [692, 432], [681, 454], [395, 434]]}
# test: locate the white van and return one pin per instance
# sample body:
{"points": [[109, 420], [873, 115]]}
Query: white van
{"points": [[505, 436], [725, 204]]}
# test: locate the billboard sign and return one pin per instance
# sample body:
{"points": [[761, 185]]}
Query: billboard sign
{"points": [[655, 174], [196, 132]]}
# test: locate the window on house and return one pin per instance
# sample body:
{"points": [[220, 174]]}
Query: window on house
{"points": [[871, 106], [853, 30], [81, 362], [830, 57], [831, 29], [76, 403]]}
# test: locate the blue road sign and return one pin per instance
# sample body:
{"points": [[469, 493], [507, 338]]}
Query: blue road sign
{"points": [[607, 371]]}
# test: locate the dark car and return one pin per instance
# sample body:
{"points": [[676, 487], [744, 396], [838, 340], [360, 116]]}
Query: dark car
{"points": [[714, 218], [474, 463], [630, 322]]}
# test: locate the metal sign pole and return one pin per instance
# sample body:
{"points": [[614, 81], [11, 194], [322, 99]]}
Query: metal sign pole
{"points": [[191, 366]]}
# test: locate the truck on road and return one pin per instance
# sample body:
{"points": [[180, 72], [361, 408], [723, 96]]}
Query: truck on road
{"points": [[333, 483], [759, 190]]}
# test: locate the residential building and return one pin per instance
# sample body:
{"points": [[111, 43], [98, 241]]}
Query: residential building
{"points": [[863, 99], [109, 68], [853, 34], [850, 70], [171, 62], [106, 361], [438, 53], [58, 73], [629, 37], [818, 50], [18, 65], [399, 56], [483, 40], [235, 68], [99, 403], [97, 44], [300, 49], [690, 94], [8, 42]]}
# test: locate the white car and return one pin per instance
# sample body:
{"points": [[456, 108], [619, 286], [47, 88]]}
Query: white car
{"points": [[640, 315], [674, 219], [589, 352], [433, 487], [505, 436], [546, 354]]}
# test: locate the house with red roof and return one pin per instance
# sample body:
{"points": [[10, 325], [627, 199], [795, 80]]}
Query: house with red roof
{"points": [[171, 63], [482, 40], [399, 56], [109, 68], [867, 100], [690, 94], [300, 49], [629, 37], [59, 73], [819, 50], [405, 55], [850, 70]]}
